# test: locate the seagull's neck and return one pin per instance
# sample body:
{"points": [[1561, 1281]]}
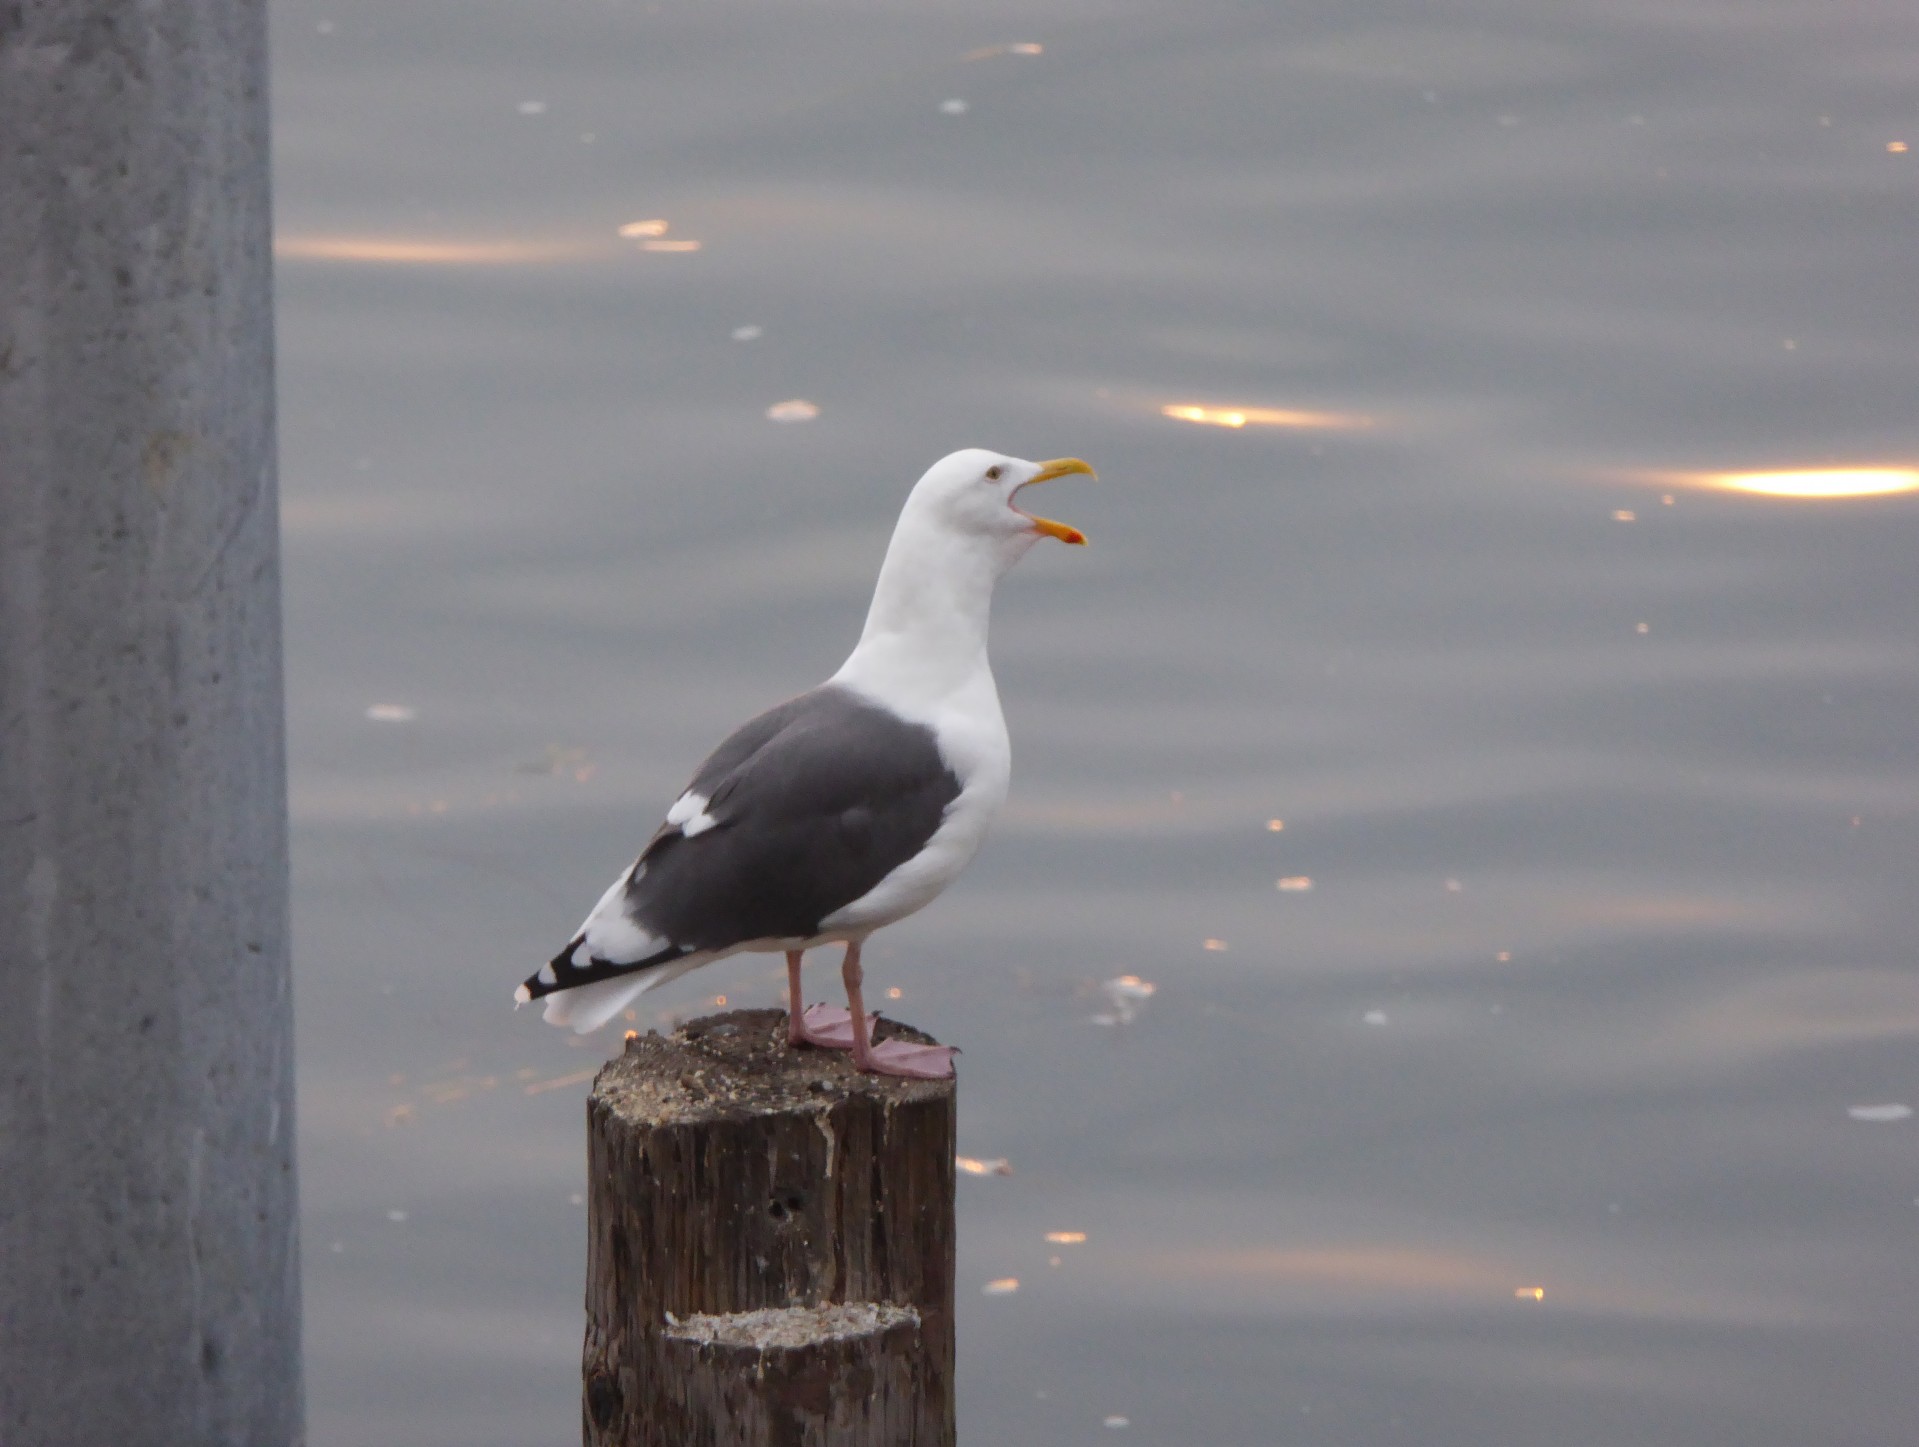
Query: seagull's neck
{"points": [[925, 634]]}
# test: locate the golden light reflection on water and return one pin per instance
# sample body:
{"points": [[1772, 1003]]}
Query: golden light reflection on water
{"points": [[1627, 909], [1795, 1014], [1812, 482], [420, 251], [974, 1166], [1343, 1276], [1018, 47], [1261, 416], [1389, 1269]]}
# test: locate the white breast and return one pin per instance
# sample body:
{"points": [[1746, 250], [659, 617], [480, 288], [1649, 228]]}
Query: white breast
{"points": [[971, 732]]}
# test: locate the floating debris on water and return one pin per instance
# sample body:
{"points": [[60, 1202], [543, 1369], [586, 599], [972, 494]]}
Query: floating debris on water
{"points": [[954, 107], [392, 713], [1018, 47], [1116, 1421], [973, 1166], [651, 233], [794, 409], [396, 1215], [1888, 1112], [1373, 1017], [1218, 947], [532, 107], [1295, 884], [748, 333], [1125, 994]]}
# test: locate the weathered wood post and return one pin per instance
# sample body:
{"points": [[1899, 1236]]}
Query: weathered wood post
{"points": [[770, 1246]]}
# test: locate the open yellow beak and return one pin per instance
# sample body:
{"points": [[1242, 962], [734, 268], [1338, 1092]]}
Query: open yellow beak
{"points": [[1057, 467]]}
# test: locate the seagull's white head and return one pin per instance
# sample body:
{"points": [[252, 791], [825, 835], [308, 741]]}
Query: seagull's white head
{"points": [[959, 532], [969, 497]]}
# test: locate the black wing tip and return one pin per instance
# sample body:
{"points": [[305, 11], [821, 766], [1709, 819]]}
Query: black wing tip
{"points": [[551, 976], [560, 973]]}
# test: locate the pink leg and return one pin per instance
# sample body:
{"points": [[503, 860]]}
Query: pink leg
{"points": [[795, 1005], [888, 1057], [827, 1026]]}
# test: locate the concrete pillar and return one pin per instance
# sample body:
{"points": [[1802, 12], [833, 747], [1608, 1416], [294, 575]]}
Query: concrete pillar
{"points": [[149, 1266]]}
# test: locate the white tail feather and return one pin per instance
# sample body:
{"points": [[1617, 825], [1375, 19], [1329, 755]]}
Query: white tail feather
{"points": [[587, 1007]]}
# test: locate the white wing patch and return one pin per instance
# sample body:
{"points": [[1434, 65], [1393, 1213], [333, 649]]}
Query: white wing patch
{"points": [[685, 807], [689, 815], [610, 934]]}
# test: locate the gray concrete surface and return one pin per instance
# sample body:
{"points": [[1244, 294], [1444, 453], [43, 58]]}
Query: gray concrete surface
{"points": [[149, 1266]]}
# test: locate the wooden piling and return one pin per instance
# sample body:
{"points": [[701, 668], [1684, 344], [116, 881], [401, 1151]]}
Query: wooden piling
{"points": [[770, 1246]]}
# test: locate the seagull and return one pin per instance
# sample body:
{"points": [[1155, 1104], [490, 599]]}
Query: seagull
{"points": [[843, 810]]}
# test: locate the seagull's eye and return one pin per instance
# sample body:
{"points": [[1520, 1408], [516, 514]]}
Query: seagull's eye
{"points": [[993, 472]]}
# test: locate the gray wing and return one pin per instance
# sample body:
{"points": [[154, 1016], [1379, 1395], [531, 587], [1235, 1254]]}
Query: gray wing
{"points": [[813, 803]]}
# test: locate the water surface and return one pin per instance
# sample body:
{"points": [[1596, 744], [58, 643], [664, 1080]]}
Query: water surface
{"points": [[1525, 1119]]}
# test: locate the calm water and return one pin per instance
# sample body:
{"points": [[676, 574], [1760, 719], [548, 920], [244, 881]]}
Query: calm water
{"points": [[1528, 1121]]}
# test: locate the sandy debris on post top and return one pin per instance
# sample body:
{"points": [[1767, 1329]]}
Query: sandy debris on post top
{"points": [[740, 1060]]}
